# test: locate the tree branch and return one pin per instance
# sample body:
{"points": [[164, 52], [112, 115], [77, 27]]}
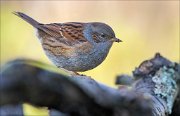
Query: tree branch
{"points": [[154, 88]]}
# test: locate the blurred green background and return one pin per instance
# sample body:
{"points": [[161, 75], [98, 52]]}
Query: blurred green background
{"points": [[146, 27]]}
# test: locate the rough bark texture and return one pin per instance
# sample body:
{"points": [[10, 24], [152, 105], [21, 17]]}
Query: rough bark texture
{"points": [[153, 89]]}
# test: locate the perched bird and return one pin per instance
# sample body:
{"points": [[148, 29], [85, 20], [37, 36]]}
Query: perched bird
{"points": [[74, 46]]}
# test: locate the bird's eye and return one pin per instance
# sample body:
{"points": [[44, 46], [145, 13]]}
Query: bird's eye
{"points": [[103, 35]]}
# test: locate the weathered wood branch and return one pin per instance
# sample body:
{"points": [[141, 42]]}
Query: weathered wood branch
{"points": [[152, 90]]}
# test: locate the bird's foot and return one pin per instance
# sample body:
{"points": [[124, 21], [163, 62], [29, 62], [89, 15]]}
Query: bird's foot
{"points": [[72, 73], [77, 74]]}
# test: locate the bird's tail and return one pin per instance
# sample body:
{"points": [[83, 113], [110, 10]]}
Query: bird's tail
{"points": [[28, 19]]}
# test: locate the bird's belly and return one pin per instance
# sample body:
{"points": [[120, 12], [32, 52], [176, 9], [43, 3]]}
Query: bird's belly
{"points": [[80, 62]]}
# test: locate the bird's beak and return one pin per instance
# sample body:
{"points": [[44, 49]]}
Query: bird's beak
{"points": [[116, 40]]}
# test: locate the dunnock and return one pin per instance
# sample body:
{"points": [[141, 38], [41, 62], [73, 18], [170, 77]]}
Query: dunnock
{"points": [[74, 46]]}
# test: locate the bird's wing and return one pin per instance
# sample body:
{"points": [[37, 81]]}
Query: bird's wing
{"points": [[69, 33]]}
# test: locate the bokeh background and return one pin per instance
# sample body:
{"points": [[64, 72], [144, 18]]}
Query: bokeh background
{"points": [[146, 27]]}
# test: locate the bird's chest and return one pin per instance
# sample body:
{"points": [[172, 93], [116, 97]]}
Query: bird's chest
{"points": [[81, 58], [100, 52], [93, 58]]}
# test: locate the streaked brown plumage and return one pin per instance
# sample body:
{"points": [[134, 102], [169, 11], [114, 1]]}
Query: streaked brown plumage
{"points": [[74, 46]]}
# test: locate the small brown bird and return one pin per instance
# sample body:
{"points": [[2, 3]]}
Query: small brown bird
{"points": [[74, 46]]}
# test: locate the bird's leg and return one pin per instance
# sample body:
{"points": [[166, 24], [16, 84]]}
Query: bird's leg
{"points": [[75, 73], [71, 73]]}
